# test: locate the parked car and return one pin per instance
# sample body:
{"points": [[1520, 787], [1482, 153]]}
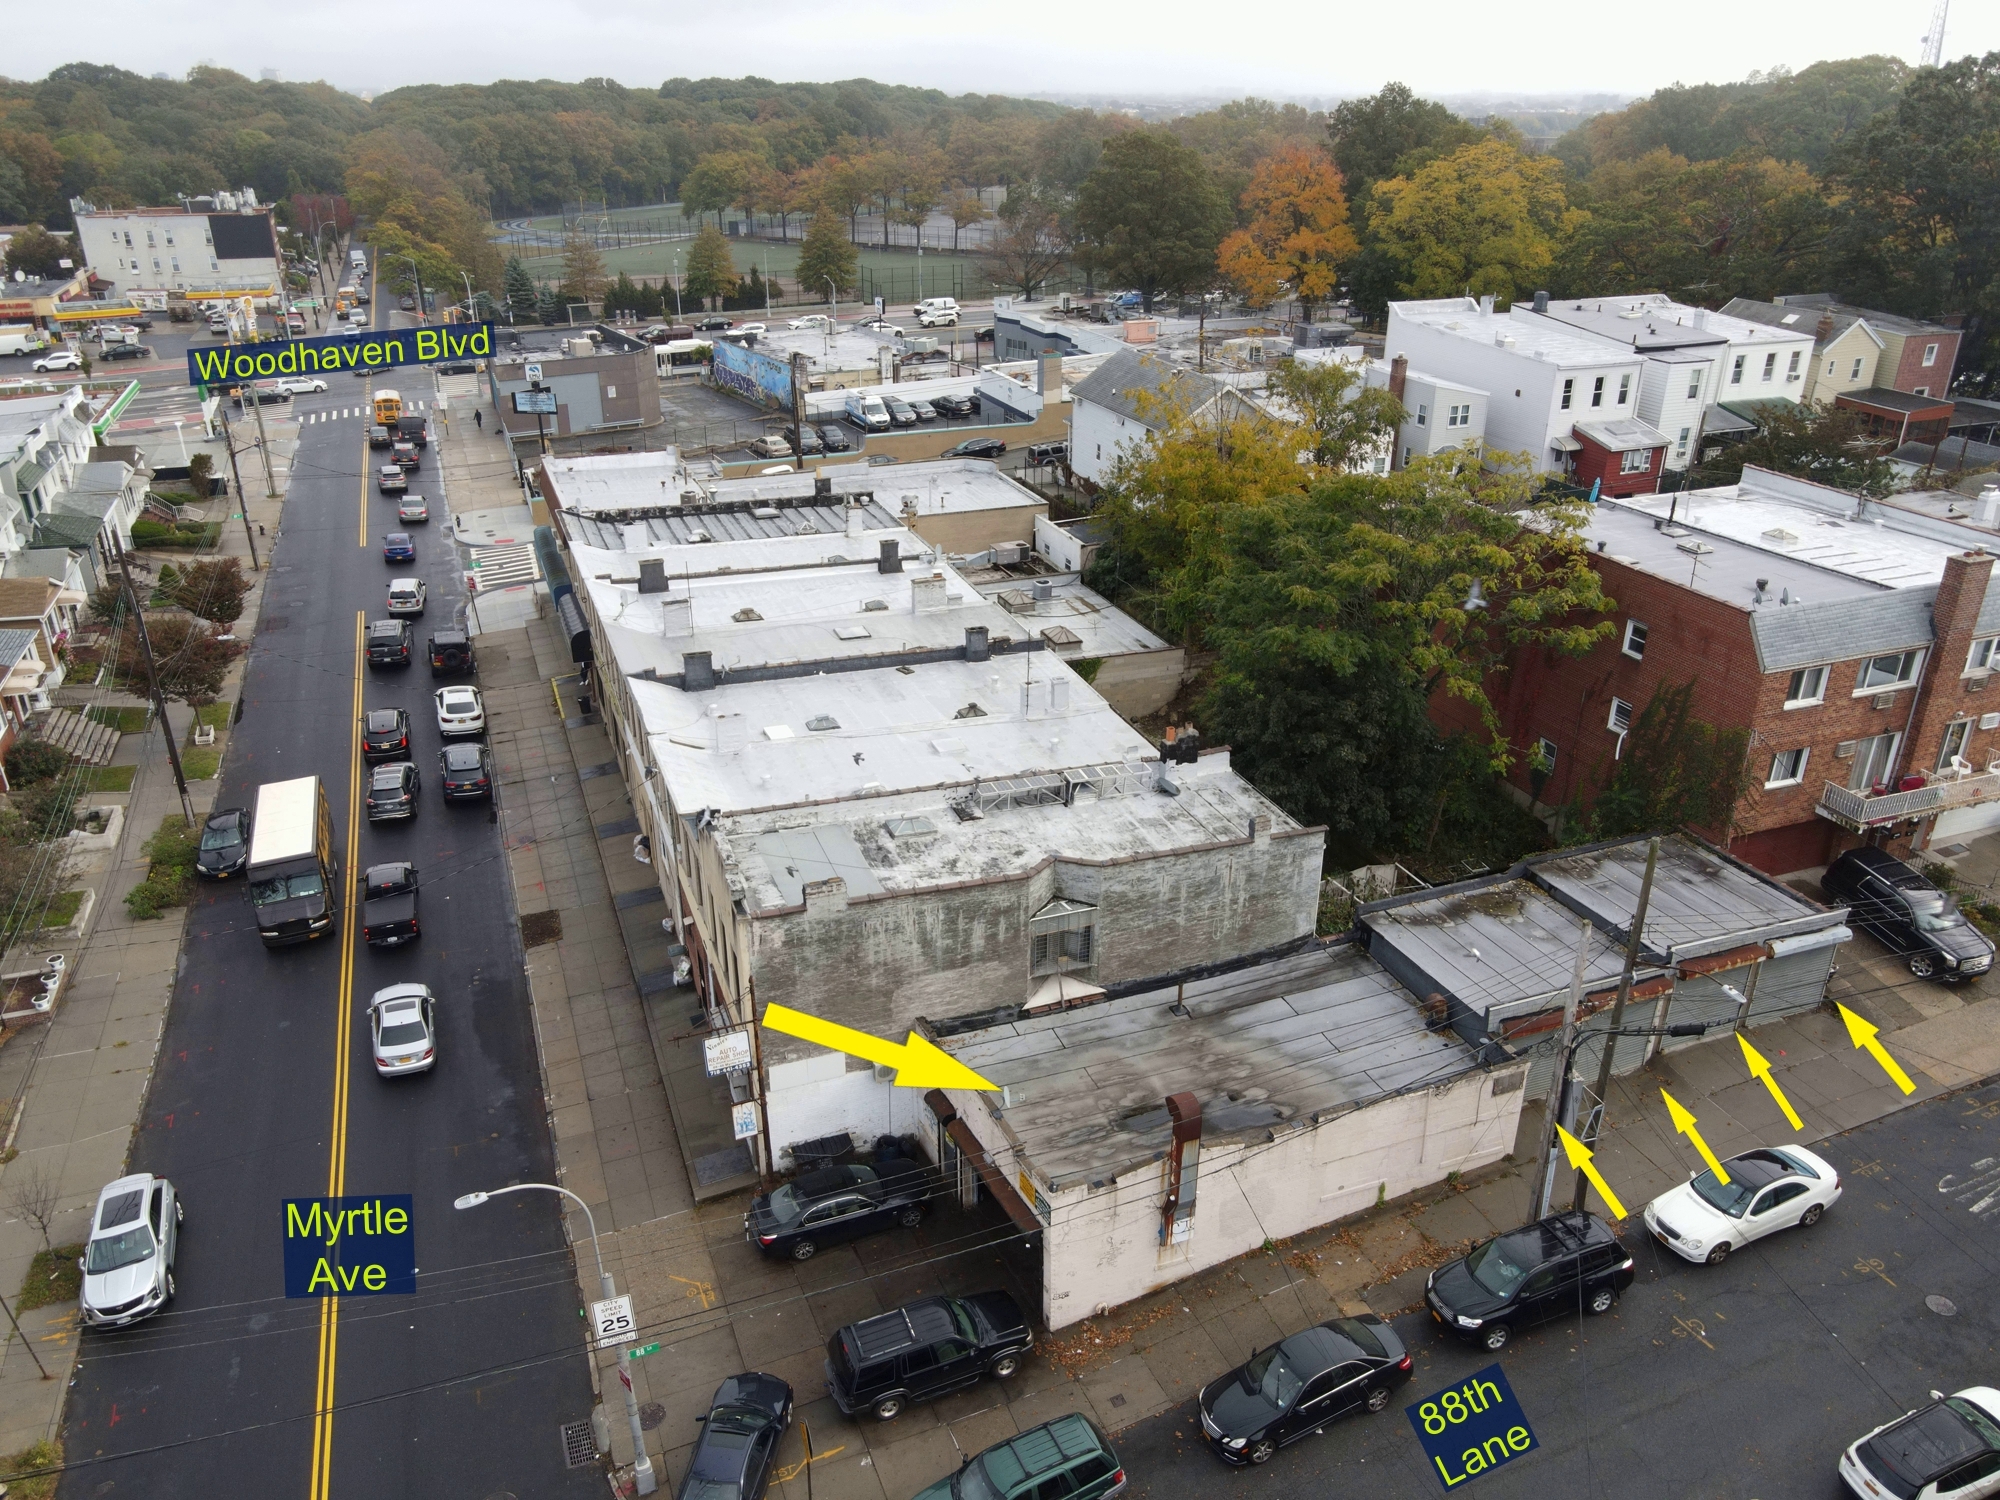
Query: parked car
{"points": [[128, 1261], [467, 772], [397, 547], [713, 323], [1294, 1388], [834, 439], [407, 304], [127, 351], [385, 734], [809, 443], [451, 651], [1068, 1457], [300, 385], [389, 904], [752, 329], [811, 320], [976, 447], [225, 844], [1901, 909], [1779, 1187], [406, 596], [1949, 1448], [738, 1447], [772, 445], [1048, 453], [391, 480], [833, 1204], [1566, 1263], [392, 792], [380, 436], [60, 359], [413, 508], [925, 1350], [388, 643], [459, 711], [402, 1020], [954, 405], [406, 456], [900, 411]]}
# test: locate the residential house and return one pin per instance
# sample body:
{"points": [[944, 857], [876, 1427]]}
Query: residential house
{"points": [[70, 567], [45, 442], [1918, 356], [1850, 640], [875, 796], [1620, 456], [1444, 415], [1692, 358], [149, 254], [1134, 396], [21, 670], [1542, 377], [1894, 418], [1847, 350], [52, 612]]}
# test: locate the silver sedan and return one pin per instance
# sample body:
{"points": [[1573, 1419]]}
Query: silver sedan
{"points": [[403, 1021]]}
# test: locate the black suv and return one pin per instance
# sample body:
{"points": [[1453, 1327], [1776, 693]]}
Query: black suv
{"points": [[1293, 1389], [920, 1352], [837, 1203], [1067, 1457], [1567, 1263], [385, 734], [467, 770], [388, 643], [451, 651], [392, 792], [1897, 906]]}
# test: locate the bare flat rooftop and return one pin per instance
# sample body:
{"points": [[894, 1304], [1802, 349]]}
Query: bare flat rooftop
{"points": [[1265, 1048], [1101, 628], [1728, 571]]}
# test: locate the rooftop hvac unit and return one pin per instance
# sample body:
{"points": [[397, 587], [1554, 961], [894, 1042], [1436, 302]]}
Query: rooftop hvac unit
{"points": [[1006, 553]]}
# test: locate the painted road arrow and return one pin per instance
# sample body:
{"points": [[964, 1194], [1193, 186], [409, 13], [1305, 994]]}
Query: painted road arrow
{"points": [[1863, 1035], [1684, 1123], [1761, 1071], [918, 1064], [1579, 1157]]}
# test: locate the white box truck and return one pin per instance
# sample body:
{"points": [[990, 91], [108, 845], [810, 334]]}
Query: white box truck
{"points": [[294, 872]]}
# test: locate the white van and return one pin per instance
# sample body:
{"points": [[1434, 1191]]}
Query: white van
{"points": [[866, 411], [938, 312], [22, 341]]}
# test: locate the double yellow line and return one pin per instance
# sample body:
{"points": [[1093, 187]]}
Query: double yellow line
{"points": [[321, 1485]]}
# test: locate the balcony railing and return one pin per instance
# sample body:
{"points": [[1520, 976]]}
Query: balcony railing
{"points": [[1861, 811]]}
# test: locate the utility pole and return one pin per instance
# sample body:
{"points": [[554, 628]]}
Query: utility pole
{"points": [[1545, 1180], [1632, 944], [242, 500], [263, 447], [153, 680]]}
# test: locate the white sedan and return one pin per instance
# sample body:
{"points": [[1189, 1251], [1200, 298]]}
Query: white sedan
{"points": [[811, 320], [1771, 1188], [757, 328], [460, 711], [298, 385], [61, 359], [1949, 1448]]}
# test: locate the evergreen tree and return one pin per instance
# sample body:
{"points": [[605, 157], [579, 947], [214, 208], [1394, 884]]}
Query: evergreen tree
{"points": [[710, 272], [828, 253], [623, 297], [520, 290], [549, 305]]}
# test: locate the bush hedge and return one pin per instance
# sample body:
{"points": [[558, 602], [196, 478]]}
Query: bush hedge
{"points": [[172, 850]]}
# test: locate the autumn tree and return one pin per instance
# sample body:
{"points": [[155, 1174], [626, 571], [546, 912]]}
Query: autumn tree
{"points": [[720, 180], [1487, 219], [1031, 246], [584, 276], [214, 589], [966, 209], [1297, 236], [1154, 213], [38, 253], [710, 270], [192, 658], [827, 254]]}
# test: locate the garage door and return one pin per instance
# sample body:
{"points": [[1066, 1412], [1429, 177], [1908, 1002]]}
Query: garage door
{"points": [[1703, 999], [1963, 821]]}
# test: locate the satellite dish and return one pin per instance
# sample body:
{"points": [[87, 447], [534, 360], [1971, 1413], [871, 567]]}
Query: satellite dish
{"points": [[20, 275]]}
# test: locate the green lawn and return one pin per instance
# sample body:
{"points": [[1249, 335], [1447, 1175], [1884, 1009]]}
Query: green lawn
{"points": [[215, 715], [200, 762], [52, 1277], [108, 778], [62, 910], [124, 720], [897, 269]]}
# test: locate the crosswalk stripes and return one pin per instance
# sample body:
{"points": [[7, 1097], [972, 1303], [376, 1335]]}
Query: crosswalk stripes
{"points": [[346, 412]]}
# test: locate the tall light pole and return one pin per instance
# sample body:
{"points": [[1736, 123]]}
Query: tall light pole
{"points": [[642, 1469], [832, 312], [677, 286], [417, 272]]}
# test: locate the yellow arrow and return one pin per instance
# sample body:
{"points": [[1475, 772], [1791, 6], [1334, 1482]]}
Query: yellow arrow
{"points": [[1761, 1071], [1579, 1157], [1684, 1123], [918, 1064], [1863, 1035]]}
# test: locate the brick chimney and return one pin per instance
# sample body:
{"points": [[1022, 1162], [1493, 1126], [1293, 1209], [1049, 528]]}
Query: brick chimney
{"points": [[1823, 330], [1943, 695], [1399, 375]]}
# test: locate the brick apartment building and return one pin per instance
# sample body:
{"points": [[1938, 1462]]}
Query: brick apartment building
{"points": [[1853, 641]]}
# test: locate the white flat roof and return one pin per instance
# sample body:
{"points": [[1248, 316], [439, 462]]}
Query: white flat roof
{"points": [[1102, 628], [618, 481], [943, 486], [1533, 338]]}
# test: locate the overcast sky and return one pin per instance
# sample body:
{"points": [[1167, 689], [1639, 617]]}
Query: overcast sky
{"points": [[1135, 47]]}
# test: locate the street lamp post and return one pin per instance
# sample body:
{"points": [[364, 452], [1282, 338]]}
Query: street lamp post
{"points": [[642, 1469], [677, 286]]}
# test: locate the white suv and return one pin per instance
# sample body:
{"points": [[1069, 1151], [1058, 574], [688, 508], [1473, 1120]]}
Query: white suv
{"points": [[460, 711], [128, 1265], [406, 596]]}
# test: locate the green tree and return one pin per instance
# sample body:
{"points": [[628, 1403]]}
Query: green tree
{"points": [[1153, 211], [720, 180], [827, 254], [710, 271], [1392, 133], [1486, 219], [37, 252], [1673, 771], [1828, 445], [520, 290], [1342, 426]]}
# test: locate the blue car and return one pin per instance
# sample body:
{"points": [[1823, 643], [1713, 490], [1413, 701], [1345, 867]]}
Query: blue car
{"points": [[397, 547]]}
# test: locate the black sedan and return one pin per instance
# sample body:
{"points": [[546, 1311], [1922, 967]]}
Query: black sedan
{"points": [[392, 791], [837, 1203], [225, 844], [467, 772], [954, 406], [1294, 1388], [127, 351], [977, 447], [834, 439], [385, 734], [738, 1446]]}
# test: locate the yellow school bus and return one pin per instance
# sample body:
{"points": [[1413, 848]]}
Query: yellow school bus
{"points": [[388, 407]]}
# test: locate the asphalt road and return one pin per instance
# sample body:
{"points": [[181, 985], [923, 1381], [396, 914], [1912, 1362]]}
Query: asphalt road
{"points": [[460, 1389], [1742, 1381]]}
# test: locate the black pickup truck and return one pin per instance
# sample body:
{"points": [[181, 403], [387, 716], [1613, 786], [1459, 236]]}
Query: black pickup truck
{"points": [[389, 912]]}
